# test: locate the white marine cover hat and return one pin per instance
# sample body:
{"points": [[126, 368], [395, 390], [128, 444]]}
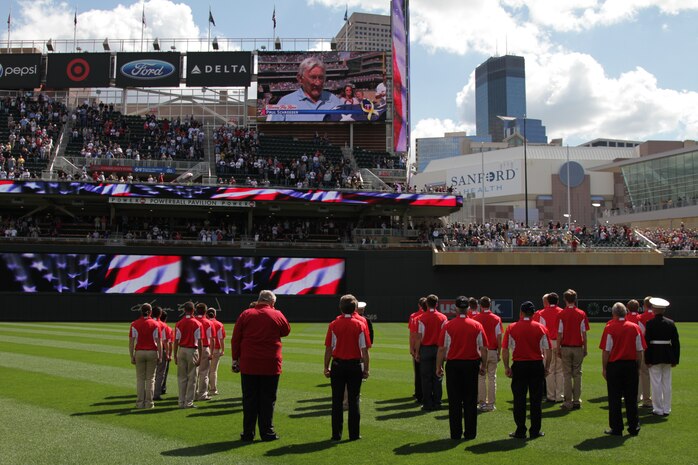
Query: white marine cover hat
{"points": [[361, 305], [658, 302]]}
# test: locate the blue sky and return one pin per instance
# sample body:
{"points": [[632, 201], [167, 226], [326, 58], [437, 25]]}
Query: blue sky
{"points": [[595, 68]]}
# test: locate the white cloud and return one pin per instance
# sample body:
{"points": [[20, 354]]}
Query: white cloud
{"points": [[54, 19]]}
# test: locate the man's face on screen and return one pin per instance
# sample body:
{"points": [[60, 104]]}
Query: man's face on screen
{"points": [[312, 82]]}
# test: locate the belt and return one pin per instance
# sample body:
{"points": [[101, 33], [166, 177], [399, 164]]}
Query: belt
{"points": [[187, 347], [663, 343], [570, 346], [352, 360]]}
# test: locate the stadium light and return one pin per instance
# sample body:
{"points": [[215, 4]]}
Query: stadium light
{"points": [[105, 44], [214, 44], [49, 45], [277, 44], [333, 45], [156, 44]]}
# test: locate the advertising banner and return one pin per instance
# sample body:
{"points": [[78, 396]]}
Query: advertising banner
{"points": [[504, 308], [169, 274], [500, 179], [67, 70], [153, 69], [20, 71], [224, 69], [400, 33]]}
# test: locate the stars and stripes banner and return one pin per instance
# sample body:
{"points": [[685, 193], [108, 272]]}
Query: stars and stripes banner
{"points": [[251, 194], [169, 274], [400, 27]]}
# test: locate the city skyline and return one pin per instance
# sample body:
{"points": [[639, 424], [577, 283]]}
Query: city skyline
{"points": [[594, 70]]}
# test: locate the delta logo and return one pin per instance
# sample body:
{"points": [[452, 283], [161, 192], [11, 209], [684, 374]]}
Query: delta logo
{"points": [[219, 69], [148, 70]]}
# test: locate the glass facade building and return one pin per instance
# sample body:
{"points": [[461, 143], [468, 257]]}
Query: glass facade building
{"points": [[500, 90], [662, 182], [436, 148]]}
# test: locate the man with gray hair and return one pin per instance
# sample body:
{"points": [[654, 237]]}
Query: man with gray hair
{"points": [[311, 94], [622, 345], [256, 352]]}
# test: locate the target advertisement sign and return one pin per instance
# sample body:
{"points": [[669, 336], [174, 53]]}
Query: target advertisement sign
{"points": [[20, 71], [78, 70]]}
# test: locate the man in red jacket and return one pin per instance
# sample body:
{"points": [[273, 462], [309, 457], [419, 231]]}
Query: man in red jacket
{"points": [[145, 348], [256, 352]]}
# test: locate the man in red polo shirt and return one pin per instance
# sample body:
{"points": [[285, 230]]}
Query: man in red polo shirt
{"points": [[463, 344], [346, 347], [145, 348], [572, 336], [645, 394], [530, 344], [413, 328], [218, 331], [549, 316], [188, 353], [167, 346], [622, 345], [256, 352], [429, 327], [487, 382], [473, 307], [207, 342], [160, 369]]}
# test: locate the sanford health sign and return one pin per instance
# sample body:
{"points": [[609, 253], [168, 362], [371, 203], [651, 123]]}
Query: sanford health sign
{"points": [[20, 71], [499, 179]]}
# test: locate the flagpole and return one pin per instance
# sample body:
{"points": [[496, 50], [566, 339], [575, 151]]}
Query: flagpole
{"points": [[9, 29], [209, 29], [142, 24], [75, 30], [346, 29]]}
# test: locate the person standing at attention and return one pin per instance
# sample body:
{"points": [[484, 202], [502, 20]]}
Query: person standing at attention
{"points": [[572, 336], [256, 352], [145, 348], [663, 352]]}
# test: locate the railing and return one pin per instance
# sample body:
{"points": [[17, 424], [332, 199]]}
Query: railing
{"points": [[376, 183], [176, 164], [372, 232], [650, 208]]}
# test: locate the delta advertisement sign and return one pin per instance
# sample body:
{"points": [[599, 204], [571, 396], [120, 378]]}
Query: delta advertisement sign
{"points": [[499, 179], [224, 69], [20, 71]]}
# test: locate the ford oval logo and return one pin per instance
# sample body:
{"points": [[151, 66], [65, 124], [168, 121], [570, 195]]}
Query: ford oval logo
{"points": [[2, 71], [147, 69]]}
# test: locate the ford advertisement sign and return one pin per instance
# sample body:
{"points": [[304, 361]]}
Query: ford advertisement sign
{"points": [[148, 69], [20, 71]]}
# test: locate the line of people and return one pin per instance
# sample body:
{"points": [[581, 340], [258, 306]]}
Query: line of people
{"points": [[547, 349]]}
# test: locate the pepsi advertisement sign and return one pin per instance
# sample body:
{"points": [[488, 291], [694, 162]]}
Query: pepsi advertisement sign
{"points": [[148, 69], [66, 70], [20, 71]]}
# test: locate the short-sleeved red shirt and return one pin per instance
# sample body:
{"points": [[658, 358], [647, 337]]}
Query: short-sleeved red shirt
{"points": [[146, 331], [412, 323], [429, 326], [526, 339], [206, 330], [623, 339], [633, 317], [493, 327], [346, 336], [218, 331], [573, 324], [462, 337], [550, 318], [188, 332]]}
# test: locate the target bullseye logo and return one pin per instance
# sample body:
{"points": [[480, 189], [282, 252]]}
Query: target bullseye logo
{"points": [[78, 69]]}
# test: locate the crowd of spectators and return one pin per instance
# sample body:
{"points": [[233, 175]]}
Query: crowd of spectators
{"points": [[106, 133], [33, 126], [674, 239]]}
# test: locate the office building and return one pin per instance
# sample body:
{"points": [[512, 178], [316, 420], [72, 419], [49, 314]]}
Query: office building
{"points": [[366, 32], [500, 90]]}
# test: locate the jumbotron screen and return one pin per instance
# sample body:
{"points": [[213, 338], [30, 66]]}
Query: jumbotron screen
{"points": [[321, 87], [168, 274]]}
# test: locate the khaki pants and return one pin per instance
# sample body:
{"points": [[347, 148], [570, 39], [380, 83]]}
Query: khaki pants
{"points": [[487, 383], [202, 383], [554, 381], [146, 362], [572, 358], [160, 376], [644, 393], [186, 376], [213, 372]]}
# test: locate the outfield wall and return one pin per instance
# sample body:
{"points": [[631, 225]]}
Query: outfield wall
{"points": [[389, 281]]}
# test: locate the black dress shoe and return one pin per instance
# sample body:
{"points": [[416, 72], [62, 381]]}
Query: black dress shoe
{"points": [[611, 432], [517, 436], [246, 437], [336, 438], [355, 438], [273, 437], [539, 434], [634, 432], [469, 437]]}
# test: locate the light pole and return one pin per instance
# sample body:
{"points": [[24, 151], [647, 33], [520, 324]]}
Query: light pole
{"points": [[482, 181], [525, 171], [569, 208]]}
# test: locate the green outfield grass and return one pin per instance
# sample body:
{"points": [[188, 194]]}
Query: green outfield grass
{"points": [[66, 392]]}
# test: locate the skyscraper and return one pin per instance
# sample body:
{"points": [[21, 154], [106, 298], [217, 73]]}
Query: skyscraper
{"points": [[500, 90], [366, 32]]}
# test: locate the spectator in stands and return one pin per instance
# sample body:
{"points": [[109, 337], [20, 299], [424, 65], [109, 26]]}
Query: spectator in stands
{"points": [[310, 95]]}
